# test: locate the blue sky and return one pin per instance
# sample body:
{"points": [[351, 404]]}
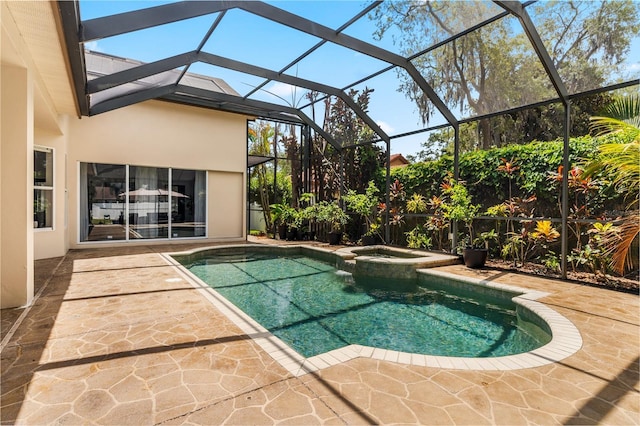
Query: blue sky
{"points": [[248, 38]]}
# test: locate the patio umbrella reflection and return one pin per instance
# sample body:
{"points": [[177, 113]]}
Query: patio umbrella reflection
{"points": [[145, 192]]}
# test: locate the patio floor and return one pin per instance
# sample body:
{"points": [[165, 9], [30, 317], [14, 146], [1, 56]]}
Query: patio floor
{"points": [[118, 336]]}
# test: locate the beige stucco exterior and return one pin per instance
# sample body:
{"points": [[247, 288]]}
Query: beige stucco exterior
{"points": [[163, 134], [38, 109]]}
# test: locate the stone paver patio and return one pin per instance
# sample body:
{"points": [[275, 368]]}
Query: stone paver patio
{"points": [[118, 336]]}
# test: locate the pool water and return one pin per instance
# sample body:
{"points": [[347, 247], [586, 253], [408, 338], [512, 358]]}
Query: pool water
{"points": [[315, 308]]}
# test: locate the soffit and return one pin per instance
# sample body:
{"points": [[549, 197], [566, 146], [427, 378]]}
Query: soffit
{"points": [[36, 21]]}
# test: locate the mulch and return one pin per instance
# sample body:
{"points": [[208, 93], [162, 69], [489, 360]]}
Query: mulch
{"points": [[624, 284]]}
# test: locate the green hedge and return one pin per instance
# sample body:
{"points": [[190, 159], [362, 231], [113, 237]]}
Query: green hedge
{"points": [[536, 161]]}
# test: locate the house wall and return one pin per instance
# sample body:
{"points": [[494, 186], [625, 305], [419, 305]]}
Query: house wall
{"points": [[54, 242], [37, 109], [16, 187], [163, 134]]}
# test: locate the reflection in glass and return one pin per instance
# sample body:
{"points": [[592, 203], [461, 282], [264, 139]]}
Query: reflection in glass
{"points": [[146, 207], [188, 203], [148, 202], [43, 167], [43, 187], [102, 208], [42, 211]]}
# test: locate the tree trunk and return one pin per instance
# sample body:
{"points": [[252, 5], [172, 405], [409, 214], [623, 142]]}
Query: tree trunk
{"points": [[485, 141]]}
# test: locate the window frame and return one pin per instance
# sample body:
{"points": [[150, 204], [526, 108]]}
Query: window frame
{"points": [[48, 188], [127, 206]]}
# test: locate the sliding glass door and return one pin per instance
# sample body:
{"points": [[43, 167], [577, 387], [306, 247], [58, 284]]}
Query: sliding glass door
{"points": [[188, 203], [148, 202], [102, 204], [121, 202]]}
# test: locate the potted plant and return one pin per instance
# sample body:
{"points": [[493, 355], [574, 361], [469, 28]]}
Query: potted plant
{"points": [[309, 216], [372, 236], [292, 220], [365, 205], [278, 215], [333, 215], [457, 206]]}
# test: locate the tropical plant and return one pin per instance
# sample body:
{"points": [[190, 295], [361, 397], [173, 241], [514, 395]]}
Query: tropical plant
{"points": [[418, 238], [543, 235], [437, 223], [365, 205], [332, 214], [457, 206], [360, 163], [621, 116], [395, 209], [260, 140], [485, 237], [551, 261], [508, 167], [621, 161]]}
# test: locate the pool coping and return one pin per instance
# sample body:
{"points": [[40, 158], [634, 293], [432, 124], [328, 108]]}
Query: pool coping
{"points": [[565, 341], [414, 257]]}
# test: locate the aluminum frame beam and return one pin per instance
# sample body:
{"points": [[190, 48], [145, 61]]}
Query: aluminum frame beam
{"points": [[70, 18], [295, 81], [518, 10], [146, 18], [359, 15], [131, 98], [283, 17], [146, 70], [232, 99], [142, 71], [167, 92], [121, 23]]}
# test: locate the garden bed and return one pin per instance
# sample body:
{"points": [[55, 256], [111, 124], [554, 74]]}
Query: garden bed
{"points": [[623, 284]]}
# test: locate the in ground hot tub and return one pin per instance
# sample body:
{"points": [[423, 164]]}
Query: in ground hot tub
{"points": [[391, 262]]}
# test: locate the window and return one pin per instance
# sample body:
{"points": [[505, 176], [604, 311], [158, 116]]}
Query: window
{"points": [[120, 202], [43, 188]]}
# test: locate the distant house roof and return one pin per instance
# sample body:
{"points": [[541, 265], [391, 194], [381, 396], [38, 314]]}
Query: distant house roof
{"points": [[398, 160], [99, 64]]}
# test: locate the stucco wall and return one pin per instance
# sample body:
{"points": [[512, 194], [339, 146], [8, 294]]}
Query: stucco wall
{"points": [[54, 242], [226, 191], [16, 186], [162, 134]]}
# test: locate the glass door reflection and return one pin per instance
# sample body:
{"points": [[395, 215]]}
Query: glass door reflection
{"points": [[148, 202]]}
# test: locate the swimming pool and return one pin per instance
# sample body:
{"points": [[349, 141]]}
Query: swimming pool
{"points": [[315, 308]]}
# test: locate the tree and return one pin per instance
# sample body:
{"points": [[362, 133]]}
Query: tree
{"points": [[541, 124], [494, 68], [362, 160]]}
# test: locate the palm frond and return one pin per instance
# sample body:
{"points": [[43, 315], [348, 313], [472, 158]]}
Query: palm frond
{"points": [[620, 243], [600, 126], [622, 115], [625, 108]]}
